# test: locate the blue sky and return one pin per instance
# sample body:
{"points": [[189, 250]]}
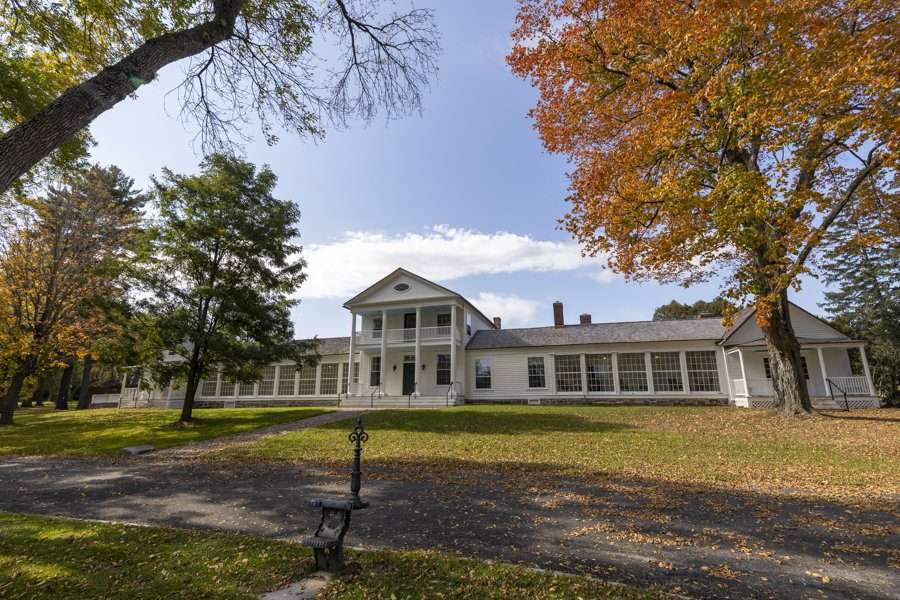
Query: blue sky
{"points": [[464, 188]]}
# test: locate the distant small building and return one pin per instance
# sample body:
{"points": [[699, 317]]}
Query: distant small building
{"points": [[417, 343]]}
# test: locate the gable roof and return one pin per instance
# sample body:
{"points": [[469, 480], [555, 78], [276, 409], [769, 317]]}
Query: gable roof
{"points": [[743, 315], [600, 333]]}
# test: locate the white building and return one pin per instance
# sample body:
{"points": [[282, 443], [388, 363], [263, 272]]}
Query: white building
{"points": [[416, 343]]}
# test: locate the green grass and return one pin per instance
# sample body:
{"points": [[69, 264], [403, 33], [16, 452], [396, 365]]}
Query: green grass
{"points": [[65, 559], [107, 431], [859, 453]]}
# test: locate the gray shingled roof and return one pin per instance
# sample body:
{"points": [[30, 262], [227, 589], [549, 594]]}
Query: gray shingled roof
{"points": [[335, 345], [600, 333]]}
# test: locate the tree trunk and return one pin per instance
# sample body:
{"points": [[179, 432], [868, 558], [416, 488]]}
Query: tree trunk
{"points": [[62, 398], [35, 138], [84, 392], [12, 396], [791, 394], [191, 388]]}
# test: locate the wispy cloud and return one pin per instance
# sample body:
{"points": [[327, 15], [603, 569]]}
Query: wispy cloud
{"points": [[342, 268]]}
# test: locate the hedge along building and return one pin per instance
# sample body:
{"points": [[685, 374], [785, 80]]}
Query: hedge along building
{"points": [[416, 343]]}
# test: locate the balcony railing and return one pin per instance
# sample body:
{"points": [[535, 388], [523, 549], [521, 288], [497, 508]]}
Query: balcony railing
{"points": [[404, 336], [854, 386]]}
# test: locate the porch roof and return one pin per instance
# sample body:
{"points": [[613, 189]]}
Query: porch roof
{"points": [[804, 341]]}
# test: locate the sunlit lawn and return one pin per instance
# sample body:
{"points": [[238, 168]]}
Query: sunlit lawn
{"points": [[64, 559], [857, 453], [107, 431]]}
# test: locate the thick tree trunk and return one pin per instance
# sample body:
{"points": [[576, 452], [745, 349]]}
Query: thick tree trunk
{"points": [[84, 392], [12, 396], [35, 138], [191, 387], [791, 394], [62, 398]]}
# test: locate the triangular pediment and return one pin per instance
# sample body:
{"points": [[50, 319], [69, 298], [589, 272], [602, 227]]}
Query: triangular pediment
{"points": [[400, 286]]}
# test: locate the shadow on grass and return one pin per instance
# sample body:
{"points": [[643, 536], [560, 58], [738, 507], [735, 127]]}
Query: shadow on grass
{"points": [[849, 416], [500, 423]]}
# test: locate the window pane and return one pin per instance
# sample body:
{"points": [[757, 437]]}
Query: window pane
{"points": [[568, 373], [267, 381], [329, 383], [666, 372], [483, 373], [599, 372], [227, 389], [375, 371], [307, 381], [443, 320], [632, 372], [208, 388], [443, 369], [536, 378], [286, 376], [703, 374]]}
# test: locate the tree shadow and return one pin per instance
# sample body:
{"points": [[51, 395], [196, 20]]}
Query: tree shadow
{"points": [[849, 416]]}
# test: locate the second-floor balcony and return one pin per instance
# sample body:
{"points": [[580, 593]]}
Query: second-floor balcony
{"points": [[403, 336]]}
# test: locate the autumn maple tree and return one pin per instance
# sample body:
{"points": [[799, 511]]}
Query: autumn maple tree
{"points": [[718, 137]]}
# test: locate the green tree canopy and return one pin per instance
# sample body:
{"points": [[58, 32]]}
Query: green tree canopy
{"points": [[701, 308], [221, 267]]}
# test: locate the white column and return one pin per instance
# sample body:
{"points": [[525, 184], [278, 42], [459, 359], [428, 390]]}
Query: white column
{"points": [[865, 362], [318, 379], [381, 381], [824, 370], [218, 382], [349, 366], [453, 333], [682, 360], [277, 377], [744, 373], [615, 373], [584, 386], [648, 366], [728, 389], [418, 349]]}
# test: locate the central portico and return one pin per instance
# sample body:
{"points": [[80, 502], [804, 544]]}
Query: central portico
{"points": [[407, 341]]}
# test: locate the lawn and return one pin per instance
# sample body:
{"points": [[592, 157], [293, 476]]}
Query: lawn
{"points": [[845, 454], [107, 431], [64, 559]]}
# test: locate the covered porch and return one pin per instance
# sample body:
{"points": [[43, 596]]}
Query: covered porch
{"points": [[837, 375]]}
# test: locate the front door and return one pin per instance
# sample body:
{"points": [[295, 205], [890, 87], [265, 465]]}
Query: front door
{"points": [[409, 378]]}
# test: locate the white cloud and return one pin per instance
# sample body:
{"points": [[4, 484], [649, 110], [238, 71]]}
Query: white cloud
{"points": [[515, 311], [342, 268]]}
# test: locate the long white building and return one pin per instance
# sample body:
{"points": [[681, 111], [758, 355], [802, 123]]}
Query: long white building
{"points": [[416, 343]]}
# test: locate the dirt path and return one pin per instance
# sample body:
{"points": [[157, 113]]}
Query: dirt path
{"points": [[703, 543]]}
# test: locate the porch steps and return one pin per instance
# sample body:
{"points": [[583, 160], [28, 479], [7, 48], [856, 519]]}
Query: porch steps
{"points": [[398, 402]]}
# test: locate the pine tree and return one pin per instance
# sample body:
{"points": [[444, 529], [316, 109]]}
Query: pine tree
{"points": [[863, 265]]}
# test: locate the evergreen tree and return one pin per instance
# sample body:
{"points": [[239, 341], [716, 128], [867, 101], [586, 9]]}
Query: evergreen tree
{"points": [[221, 267], [863, 265]]}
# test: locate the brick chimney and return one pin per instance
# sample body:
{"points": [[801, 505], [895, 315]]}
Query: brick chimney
{"points": [[558, 319], [585, 319], [497, 322]]}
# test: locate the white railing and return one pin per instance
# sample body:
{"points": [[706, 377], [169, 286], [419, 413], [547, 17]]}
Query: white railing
{"points": [[403, 336], [738, 387], [855, 385]]}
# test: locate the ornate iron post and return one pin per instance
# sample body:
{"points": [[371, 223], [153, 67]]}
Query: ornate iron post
{"points": [[358, 437]]}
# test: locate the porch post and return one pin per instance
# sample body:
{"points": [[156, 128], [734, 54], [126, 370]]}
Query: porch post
{"points": [[648, 366], [728, 389], [868, 374], [453, 349], [384, 332], [218, 382], [583, 366], [350, 359], [744, 373], [682, 361], [277, 377], [418, 350], [615, 373], [824, 370]]}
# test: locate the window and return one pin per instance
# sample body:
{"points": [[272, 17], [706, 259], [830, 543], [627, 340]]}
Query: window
{"points": [[344, 374], [568, 373], [482, 373], [666, 372], [329, 384], [307, 381], [208, 388], [632, 372], [286, 377], [599, 372], [443, 319], [227, 389], [703, 374], [536, 378], [401, 287], [267, 382], [375, 371], [443, 369], [803, 366], [377, 327], [246, 389]]}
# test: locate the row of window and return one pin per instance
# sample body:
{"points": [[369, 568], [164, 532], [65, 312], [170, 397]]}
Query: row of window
{"points": [[665, 369], [292, 381]]}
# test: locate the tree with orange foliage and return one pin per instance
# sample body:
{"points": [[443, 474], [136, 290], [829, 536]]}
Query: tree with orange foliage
{"points": [[59, 263], [718, 137]]}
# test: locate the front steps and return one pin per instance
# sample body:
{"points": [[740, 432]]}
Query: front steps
{"points": [[398, 402]]}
